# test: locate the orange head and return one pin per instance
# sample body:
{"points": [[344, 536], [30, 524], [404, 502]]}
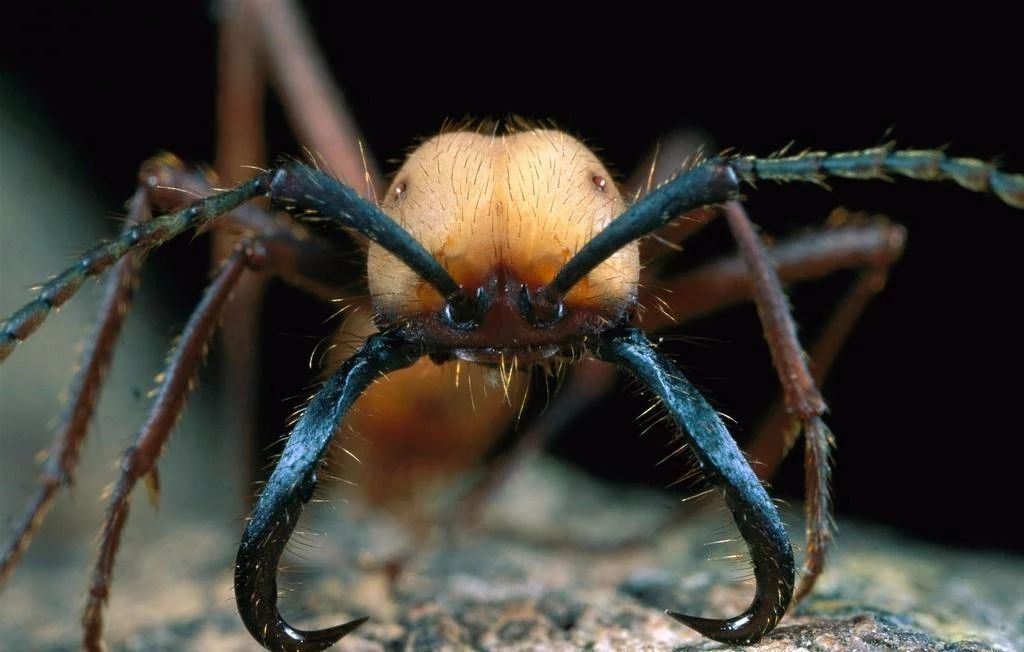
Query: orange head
{"points": [[502, 213]]}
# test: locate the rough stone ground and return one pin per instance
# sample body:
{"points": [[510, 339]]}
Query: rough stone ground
{"points": [[501, 588]]}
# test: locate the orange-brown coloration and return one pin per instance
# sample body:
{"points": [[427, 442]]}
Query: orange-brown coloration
{"points": [[499, 211], [420, 426]]}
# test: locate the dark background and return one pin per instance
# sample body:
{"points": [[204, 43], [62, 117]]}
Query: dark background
{"points": [[925, 401]]}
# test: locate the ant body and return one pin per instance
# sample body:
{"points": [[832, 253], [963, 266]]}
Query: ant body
{"points": [[486, 284]]}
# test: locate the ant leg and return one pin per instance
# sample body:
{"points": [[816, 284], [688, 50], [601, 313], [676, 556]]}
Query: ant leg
{"points": [[315, 105], [301, 258], [240, 149], [800, 393], [872, 244], [63, 455], [774, 436], [139, 461], [241, 84]]}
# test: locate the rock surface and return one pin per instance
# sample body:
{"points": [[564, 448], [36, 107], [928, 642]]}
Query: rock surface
{"points": [[534, 577]]}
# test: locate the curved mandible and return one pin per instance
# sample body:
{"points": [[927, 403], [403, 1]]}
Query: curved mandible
{"points": [[725, 467], [291, 486]]}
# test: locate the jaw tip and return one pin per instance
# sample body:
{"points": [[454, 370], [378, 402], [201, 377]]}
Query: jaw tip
{"points": [[693, 622], [352, 625], [739, 630], [332, 635], [287, 638]]}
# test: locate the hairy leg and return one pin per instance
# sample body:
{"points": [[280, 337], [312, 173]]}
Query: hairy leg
{"points": [[300, 258], [874, 248], [139, 460], [258, 39], [802, 399], [314, 104], [63, 455], [240, 150]]}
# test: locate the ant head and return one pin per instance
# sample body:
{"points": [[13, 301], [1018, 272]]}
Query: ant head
{"points": [[503, 213]]}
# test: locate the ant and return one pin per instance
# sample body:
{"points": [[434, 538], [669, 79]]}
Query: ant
{"points": [[485, 286]]}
